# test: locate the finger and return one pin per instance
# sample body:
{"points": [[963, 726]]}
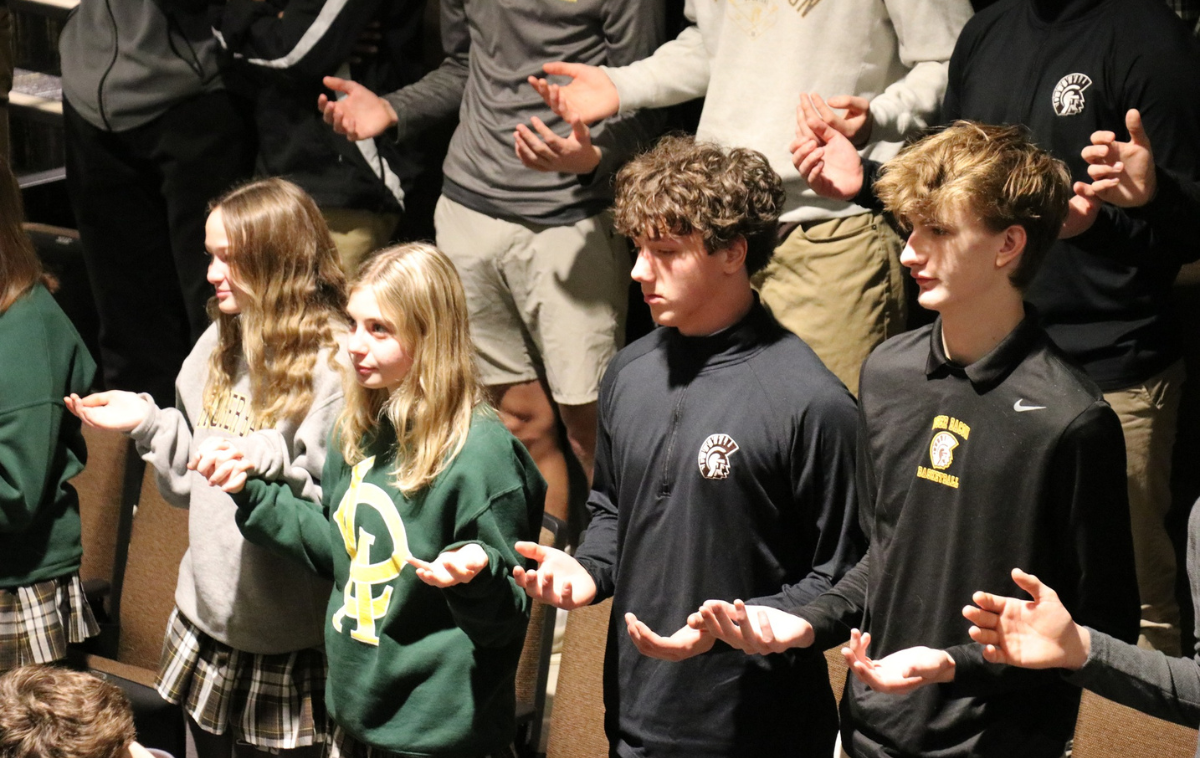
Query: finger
{"points": [[993, 654], [853, 106], [1097, 154], [522, 143], [696, 621], [579, 130], [824, 110], [542, 87], [1103, 185], [1137, 133], [539, 147], [1103, 138], [531, 550], [339, 85], [812, 164], [418, 563], [804, 112], [1106, 171], [984, 636], [520, 575], [551, 140], [1085, 191], [1032, 585], [980, 617]]}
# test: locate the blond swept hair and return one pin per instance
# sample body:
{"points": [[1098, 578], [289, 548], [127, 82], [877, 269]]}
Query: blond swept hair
{"points": [[52, 711], [422, 303], [281, 255], [995, 173], [682, 185]]}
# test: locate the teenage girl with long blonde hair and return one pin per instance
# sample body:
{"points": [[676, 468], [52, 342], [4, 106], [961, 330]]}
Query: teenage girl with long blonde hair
{"points": [[426, 493], [243, 647]]}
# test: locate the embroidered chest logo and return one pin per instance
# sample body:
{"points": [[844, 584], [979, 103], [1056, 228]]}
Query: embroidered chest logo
{"points": [[754, 16], [941, 450], [714, 456], [804, 6], [362, 604], [1068, 97]]}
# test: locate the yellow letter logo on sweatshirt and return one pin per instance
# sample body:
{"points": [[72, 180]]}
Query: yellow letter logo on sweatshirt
{"points": [[361, 602]]}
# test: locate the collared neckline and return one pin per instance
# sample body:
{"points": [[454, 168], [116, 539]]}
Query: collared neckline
{"points": [[732, 340], [991, 369]]}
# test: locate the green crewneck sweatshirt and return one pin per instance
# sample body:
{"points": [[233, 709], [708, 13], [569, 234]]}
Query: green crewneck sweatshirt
{"points": [[415, 669], [42, 359]]}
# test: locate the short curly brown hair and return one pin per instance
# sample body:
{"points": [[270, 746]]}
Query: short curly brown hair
{"points": [[52, 711], [683, 186], [996, 172]]}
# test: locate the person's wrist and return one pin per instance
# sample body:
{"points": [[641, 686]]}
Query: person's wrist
{"points": [[1080, 647]]}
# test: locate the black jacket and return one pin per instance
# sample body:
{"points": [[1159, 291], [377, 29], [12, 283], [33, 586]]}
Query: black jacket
{"points": [[1066, 69], [964, 473], [279, 61], [724, 469]]}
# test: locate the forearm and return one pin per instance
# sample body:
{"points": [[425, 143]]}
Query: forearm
{"points": [[836, 612], [1151, 682], [975, 677], [438, 95], [677, 72], [271, 516], [164, 440], [597, 552]]}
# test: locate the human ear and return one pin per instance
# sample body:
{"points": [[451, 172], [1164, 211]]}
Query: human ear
{"points": [[1012, 245], [735, 255]]}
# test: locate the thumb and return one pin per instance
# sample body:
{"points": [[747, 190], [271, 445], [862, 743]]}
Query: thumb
{"points": [[1085, 191], [1137, 132], [823, 131], [532, 550], [339, 85], [1031, 584], [559, 68], [580, 130], [849, 103]]}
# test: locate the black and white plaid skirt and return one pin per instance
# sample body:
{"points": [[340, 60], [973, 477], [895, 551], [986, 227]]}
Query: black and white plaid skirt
{"points": [[270, 701], [37, 622]]}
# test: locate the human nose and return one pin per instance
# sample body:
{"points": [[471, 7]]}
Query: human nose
{"points": [[355, 344], [642, 267], [216, 272], [909, 256]]}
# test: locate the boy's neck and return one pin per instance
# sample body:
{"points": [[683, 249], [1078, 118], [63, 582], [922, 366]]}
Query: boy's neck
{"points": [[973, 330]]}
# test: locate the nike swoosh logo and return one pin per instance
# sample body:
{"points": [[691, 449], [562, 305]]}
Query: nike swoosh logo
{"points": [[1020, 406]]}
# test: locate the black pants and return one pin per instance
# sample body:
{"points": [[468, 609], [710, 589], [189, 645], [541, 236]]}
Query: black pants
{"points": [[140, 200]]}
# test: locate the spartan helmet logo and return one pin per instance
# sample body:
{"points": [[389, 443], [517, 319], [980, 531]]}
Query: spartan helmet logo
{"points": [[714, 456], [941, 450], [1068, 94]]}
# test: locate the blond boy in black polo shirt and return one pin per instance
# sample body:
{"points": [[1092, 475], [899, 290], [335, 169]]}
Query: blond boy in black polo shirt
{"points": [[981, 447]]}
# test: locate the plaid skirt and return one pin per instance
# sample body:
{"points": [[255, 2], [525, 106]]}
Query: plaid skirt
{"points": [[270, 701], [37, 622], [342, 745]]}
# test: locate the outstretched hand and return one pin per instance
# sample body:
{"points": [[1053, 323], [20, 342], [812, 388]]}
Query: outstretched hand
{"points": [[546, 151], [1122, 173], [115, 410], [683, 644], [451, 567], [902, 671], [559, 579], [590, 93], [753, 629], [361, 114], [824, 156], [1032, 634]]}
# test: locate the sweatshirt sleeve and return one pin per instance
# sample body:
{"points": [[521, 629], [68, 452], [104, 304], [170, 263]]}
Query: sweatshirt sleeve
{"points": [[678, 71], [926, 31], [631, 32], [271, 515], [32, 437], [437, 95], [164, 440], [823, 470], [1165, 687], [597, 552], [492, 608], [299, 463], [1093, 566], [306, 38]]}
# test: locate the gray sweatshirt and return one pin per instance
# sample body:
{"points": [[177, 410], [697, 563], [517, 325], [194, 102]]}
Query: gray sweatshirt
{"points": [[491, 49], [1147, 680], [125, 62], [238, 593]]}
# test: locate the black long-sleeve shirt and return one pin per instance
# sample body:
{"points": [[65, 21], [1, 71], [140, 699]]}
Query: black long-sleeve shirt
{"points": [[964, 473], [724, 468], [1064, 69]]}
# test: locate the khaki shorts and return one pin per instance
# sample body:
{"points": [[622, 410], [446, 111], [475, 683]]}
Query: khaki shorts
{"points": [[543, 300]]}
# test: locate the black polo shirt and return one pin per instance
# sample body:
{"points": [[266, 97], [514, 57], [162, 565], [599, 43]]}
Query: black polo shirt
{"points": [[964, 473]]}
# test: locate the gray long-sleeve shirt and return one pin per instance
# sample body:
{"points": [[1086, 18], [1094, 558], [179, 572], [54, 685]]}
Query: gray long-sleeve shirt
{"points": [[1148, 680], [513, 40]]}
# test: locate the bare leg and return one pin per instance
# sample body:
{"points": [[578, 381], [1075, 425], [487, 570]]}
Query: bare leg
{"points": [[580, 421], [527, 411]]}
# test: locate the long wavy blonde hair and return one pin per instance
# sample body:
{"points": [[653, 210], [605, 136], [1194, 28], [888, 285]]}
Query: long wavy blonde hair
{"points": [[281, 255], [20, 267], [422, 302]]}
